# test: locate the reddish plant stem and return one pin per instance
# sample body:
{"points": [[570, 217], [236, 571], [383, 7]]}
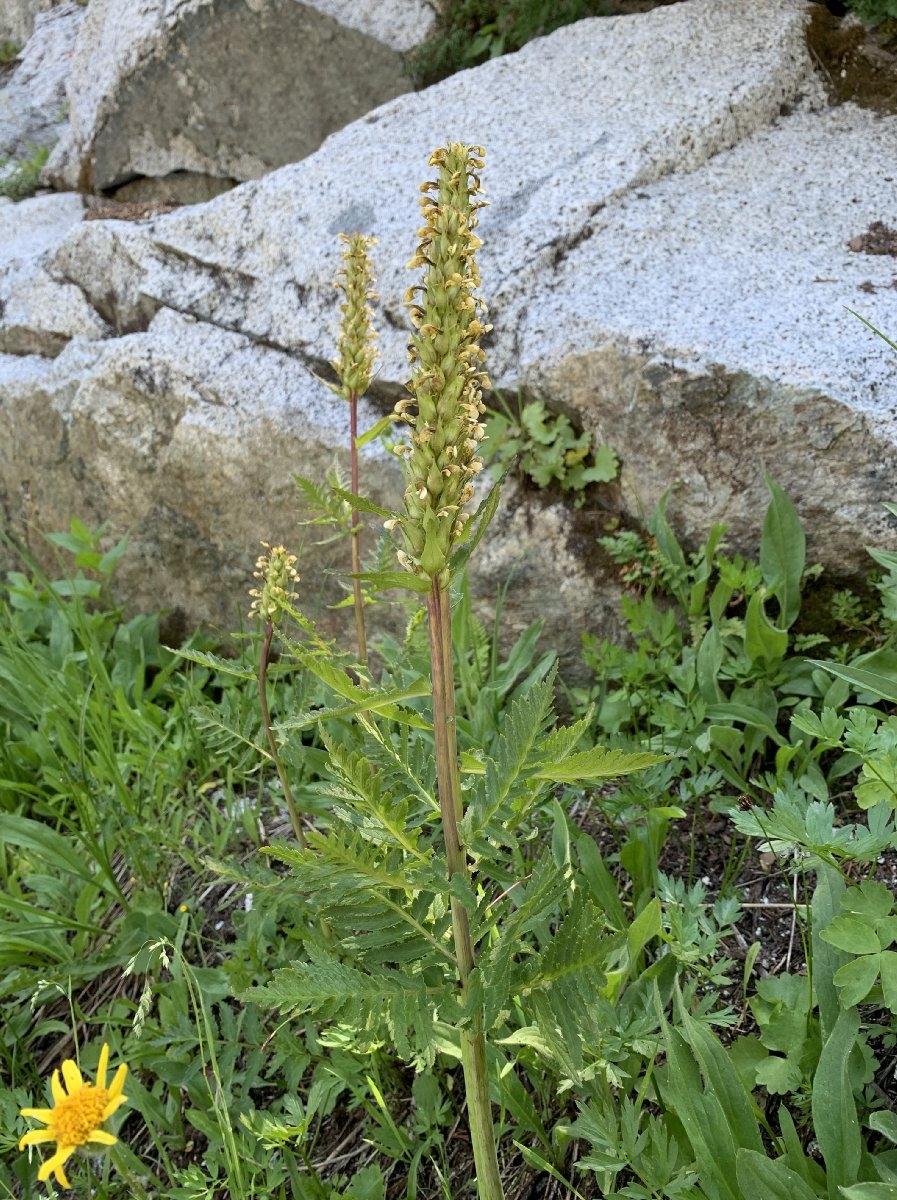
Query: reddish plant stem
{"points": [[356, 534], [473, 1038]]}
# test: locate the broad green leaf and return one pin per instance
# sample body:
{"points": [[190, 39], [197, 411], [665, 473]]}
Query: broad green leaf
{"points": [[602, 885], [871, 899], [647, 925], [666, 539], [763, 641], [834, 1110], [856, 979], [884, 1121], [58, 851], [560, 838], [723, 1081], [877, 675], [852, 935], [763, 1178], [783, 553], [478, 525], [870, 1191], [780, 1076], [888, 968], [827, 897], [747, 714], [708, 662]]}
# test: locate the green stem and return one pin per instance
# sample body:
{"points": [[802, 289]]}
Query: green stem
{"points": [[356, 534], [272, 742], [473, 1039]]}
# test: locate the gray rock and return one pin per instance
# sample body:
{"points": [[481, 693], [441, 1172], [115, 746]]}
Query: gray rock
{"points": [[187, 437], [40, 314], [229, 88], [665, 255], [17, 18], [33, 103]]}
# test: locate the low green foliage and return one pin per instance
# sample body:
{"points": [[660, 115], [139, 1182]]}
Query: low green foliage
{"points": [[21, 178], [873, 11], [9, 52], [544, 447], [472, 31]]}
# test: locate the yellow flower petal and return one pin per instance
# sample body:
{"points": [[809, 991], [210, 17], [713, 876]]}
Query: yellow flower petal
{"points": [[118, 1082], [74, 1081], [114, 1106], [35, 1137], [39, 1114], [102, 1065], [54, 1165], [102, 1138], [56, 1087]]}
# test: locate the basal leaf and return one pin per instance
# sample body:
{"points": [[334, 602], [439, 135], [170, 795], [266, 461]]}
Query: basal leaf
{"points": [[834, 1110], [763, 1178], [783, 553]]}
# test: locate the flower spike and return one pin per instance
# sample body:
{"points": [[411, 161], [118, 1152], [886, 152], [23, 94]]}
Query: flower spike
{"points": [[356, 350], [447, 382]]}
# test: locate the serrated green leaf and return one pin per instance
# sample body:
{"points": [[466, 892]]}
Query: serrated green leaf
{"points": [[596, 763], [385, 703], [227, 666], [385, 581], [361, 503], [779, 1075]]}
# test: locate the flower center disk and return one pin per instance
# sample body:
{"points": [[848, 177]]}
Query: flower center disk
{"points": [[77, 1117]]}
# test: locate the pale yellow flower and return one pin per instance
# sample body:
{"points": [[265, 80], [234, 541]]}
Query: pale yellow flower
{"points": [[77, 1115], [277, 571]]}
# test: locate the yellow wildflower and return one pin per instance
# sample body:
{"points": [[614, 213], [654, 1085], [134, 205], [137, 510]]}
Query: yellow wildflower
{"points": [[77, 1115]]}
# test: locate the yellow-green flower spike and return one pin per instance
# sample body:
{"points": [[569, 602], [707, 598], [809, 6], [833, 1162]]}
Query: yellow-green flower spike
{"points": [[356, 350], [446, 406], [277, 571]]}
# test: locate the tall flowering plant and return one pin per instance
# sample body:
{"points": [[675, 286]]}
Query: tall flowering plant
{"points": [[425, 898]]}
